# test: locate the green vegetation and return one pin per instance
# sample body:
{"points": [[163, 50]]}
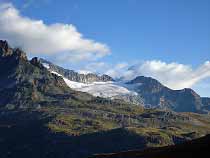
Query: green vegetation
{"points": [[159, 128], [75, 125]]}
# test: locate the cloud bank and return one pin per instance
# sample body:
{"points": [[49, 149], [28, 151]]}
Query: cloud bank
{"points": [[58, 40], [173, 75]]}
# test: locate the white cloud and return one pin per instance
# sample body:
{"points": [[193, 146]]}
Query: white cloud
{"points": [[173, 75], [121, 65], [36, 37], [118, 70], [114, 70], [97, 67]]}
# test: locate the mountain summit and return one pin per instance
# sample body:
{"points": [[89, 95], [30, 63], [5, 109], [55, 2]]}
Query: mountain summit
{"points": [[25, 83], [157, 95]]}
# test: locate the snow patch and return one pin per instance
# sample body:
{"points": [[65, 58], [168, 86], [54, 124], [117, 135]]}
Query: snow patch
{"points": [[47, 66], [53, 72], [102, 89]]}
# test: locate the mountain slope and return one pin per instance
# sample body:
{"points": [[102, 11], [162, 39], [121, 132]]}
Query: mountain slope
{"points": [[99, 86], [141, 90], [41, 116], [28, 83], [155, 94]]}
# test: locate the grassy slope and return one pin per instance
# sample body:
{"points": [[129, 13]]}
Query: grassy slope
{"points": [[38, 133], [159, 128]]}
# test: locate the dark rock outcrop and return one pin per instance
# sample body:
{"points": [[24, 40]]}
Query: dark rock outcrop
{"points": [[25, 83]]}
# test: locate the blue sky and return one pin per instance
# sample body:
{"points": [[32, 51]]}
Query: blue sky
{"points": [[134, 31], [145, 29]]}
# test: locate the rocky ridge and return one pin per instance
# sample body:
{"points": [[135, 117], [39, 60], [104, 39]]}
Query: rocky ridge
{"points": [[157, 95], [75, 76]]}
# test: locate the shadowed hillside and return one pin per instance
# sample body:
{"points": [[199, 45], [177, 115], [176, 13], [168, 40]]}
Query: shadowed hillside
{"points": [[192, 149]]}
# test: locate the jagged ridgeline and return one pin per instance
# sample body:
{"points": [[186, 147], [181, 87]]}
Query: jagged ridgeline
{"points": [[75, 76], [25, 83], [40, 116], [141, 90]]}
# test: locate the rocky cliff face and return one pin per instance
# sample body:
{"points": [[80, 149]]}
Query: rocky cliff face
{"points": [[26, 83], [74, 76], [155, 94]]}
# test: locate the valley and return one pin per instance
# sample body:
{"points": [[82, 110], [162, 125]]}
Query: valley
{"points": [[45, 114]]}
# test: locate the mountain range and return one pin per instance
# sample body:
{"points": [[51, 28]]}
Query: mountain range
{"points": [[141, 90], [48, 111]]}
